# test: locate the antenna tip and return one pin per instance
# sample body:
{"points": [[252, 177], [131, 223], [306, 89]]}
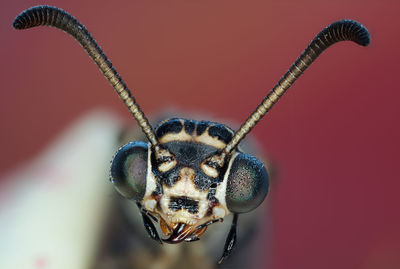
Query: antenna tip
{"points": [[17, 24], [351, 30]]}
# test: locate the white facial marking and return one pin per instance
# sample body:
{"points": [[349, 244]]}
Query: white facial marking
{"points": [[205, 138], [166, 166], [221, 188], [219, 212], [181, 136], [150, 204], [150, 184], [209, 171]]}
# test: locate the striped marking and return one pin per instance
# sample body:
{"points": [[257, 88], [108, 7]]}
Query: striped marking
{"points": [[205, 132]]}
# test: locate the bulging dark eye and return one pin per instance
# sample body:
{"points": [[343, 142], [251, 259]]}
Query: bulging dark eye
{"points": [[247, 184], [129, 170]]}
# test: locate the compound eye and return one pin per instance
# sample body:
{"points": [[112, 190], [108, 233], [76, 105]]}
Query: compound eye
{"points": [[247, 184], [129, 170]]}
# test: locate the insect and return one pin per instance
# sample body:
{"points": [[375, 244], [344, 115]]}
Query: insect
{"points": [[190, 174]]}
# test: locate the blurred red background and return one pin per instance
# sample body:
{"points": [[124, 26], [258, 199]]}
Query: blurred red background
{"points": [[334, 138]]}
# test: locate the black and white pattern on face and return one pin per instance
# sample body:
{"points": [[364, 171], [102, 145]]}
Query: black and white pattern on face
{"points": [[205, 132], [178, 203], [191, 188], [188, 155]]}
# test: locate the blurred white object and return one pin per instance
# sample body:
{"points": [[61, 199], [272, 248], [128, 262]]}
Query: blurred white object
{"points": [[52, 210]]}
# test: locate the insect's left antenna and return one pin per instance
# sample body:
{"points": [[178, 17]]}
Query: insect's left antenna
{"points": [[55, 17]]}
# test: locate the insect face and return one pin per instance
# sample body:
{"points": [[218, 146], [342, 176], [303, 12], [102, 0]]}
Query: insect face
{"points": [[190, 174], [184, 190]]}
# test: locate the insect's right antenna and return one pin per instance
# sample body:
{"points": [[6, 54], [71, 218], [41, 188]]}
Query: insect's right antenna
{"points": [[55, 17], [339, 31]]}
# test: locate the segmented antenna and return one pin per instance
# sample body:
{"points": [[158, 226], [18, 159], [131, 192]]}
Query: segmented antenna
{"points": [[339, 31], [55, 17]]}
